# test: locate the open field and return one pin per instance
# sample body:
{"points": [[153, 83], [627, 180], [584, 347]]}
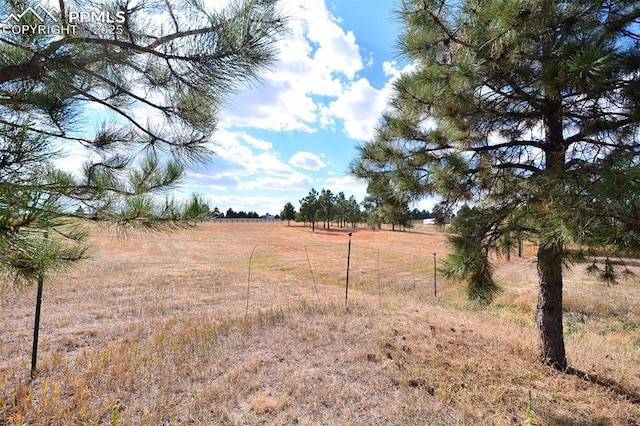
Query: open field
{"points": [[246, 324]]}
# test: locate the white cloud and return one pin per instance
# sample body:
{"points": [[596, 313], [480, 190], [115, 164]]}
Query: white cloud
{"points": [[306, 160], [317, 59], [318, 47], [258, 204], [73, 158], [316, 84], [390, 68], [222, 182], [294, 181], [348, 184], [361, 105], [242, 162], [257, 143]]}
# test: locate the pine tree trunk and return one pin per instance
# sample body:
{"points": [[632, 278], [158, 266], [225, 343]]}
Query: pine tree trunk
{"points": [[549, 312]]}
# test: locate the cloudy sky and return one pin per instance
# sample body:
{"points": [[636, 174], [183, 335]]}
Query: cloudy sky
{"points": [[299, 129]]}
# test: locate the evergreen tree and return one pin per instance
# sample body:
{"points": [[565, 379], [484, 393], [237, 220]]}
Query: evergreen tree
{"points": [[529, 111], [310, 208], [386, 203], [288, 213], [354, 214], [442, 214], [327, 203], [157, 76], [342, 208], [371, 205], [396, 214]]}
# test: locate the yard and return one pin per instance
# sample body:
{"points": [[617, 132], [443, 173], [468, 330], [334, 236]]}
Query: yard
{"points": [[251, 323]]}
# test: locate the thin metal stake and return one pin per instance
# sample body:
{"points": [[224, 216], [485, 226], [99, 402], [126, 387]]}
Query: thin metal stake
{"points": [[36, 326], [346, 294], [246, 313], [311, 271], [435, 278], [414, 271], [378, 268]]}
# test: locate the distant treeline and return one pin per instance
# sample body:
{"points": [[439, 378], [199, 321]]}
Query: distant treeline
{"points": [[231, 214], [326, 207]]}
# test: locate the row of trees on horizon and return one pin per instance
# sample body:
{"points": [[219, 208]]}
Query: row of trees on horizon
{"points": [[327, 207]]}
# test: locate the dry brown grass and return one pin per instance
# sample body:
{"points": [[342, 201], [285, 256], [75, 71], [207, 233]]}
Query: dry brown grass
{"points": [[157, 330]]}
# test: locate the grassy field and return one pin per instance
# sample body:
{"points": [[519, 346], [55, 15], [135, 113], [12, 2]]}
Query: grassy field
{"points": [[247, 324]]}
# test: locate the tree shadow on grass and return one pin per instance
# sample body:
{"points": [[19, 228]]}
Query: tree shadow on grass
{"points": [[565, 421], [337, 231], [632, 395]]}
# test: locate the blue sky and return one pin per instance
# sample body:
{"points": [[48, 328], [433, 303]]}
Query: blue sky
{"points": [[300, 127]]}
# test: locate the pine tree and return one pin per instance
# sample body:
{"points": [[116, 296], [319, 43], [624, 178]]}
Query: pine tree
{"points": [[310, 208], [529, 112], [354, 214], [327, 202], [156, 78], [288, 212], [342, 208]]}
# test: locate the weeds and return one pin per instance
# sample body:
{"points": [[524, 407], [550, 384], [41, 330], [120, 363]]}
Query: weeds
{"points": [[529, 420]]}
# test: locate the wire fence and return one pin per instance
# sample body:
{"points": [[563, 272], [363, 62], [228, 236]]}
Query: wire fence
{"points": [[152, 278], [272, 265]]}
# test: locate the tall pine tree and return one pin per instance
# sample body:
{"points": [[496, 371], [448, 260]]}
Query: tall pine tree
{"points": [[528, 111], [135, 90]]}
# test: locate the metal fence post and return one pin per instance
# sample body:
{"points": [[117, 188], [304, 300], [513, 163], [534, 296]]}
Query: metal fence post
{"points": [[36, 325], [346, 293], [435, 277]]}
